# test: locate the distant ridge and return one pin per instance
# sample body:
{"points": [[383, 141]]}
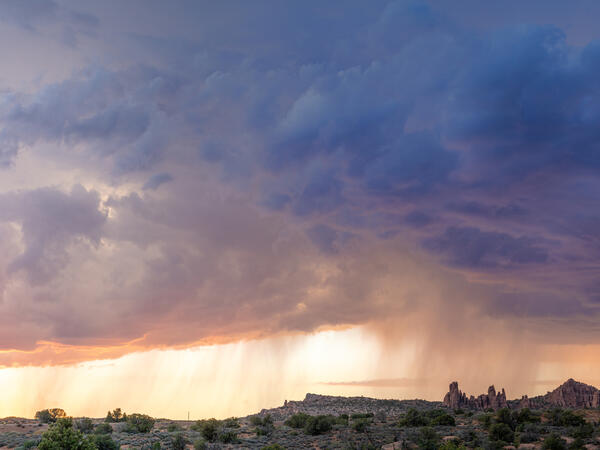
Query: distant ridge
{"points": [[570, 394]]}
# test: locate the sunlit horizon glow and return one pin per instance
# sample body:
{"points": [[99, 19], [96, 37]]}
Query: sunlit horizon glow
{"points": [[216, 206]]}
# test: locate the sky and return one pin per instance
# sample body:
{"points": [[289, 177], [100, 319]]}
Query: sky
{"points": [[212, 207]]}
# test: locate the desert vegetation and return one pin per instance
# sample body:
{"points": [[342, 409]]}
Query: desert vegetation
{"points": [[323, 422]]}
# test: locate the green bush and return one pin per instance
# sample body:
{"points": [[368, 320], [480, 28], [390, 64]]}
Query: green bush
{"points": [[444, 419], [577, 444], [485, 420], [360, 425], [103, 428], [228, 437], [554, 442], [413, 418], [172, 427], [85, 425], [139, 423], [529, 434], [273, 447], [63, 436], [452, 445], [584, 431], [200, 444], [525, 415], [342, 419], [208, 428], [30, 444], [232, 422], [156, 446], [50, 415], [179, 442], [361, 416], [564, 418], [104, 442], [319, 424], [501, 432], [297, 420], [428, 439]]}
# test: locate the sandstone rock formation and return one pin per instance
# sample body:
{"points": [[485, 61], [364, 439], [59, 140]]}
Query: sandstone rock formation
{"points": [[570, 394], [456, 399]]}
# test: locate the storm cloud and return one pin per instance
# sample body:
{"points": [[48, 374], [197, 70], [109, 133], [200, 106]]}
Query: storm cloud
{"points": [[293, 169]]}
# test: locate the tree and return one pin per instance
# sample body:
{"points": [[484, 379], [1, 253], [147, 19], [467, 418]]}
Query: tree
{"points": [[319, 424], [116, 416], [50, 415], [63, 436], [85, 425], [139, 423], [501, 432], [297, 420], [554, 442]]}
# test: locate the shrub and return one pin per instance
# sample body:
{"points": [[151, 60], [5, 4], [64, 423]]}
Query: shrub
{"points": [[200, 444], [413, 418], [452, 445], [584, 431], [103, 428], [360, 425], [501, 432], [228, 437], [30, 444], [485, 420], [428, 439], [445, 419], [342, 419], [505, 416], [318, 424], [232, 422], [529, 434], [63, 436], [273, 447], [85, 425], [554, 442], [156, 446], [577, 444], [361, 416], [179, 442], [139, 423], [208, 428], [297, 420], [104, 442], [525, 415], [172, 427], [50, 415], [565, 418]]}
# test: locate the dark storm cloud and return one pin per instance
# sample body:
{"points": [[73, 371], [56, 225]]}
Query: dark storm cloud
{"points": [[472, 247], [300, 138]]}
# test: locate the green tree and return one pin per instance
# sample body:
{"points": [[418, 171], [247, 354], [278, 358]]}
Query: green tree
{"points": [[63, 436], [297, 420], [501, 432], [554, 442], [319, 424], [50, 415], [428, 439], [139, 423]]}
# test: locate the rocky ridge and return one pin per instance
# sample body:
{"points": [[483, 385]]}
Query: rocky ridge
{"points": [[315, 404], [570, 394]]}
